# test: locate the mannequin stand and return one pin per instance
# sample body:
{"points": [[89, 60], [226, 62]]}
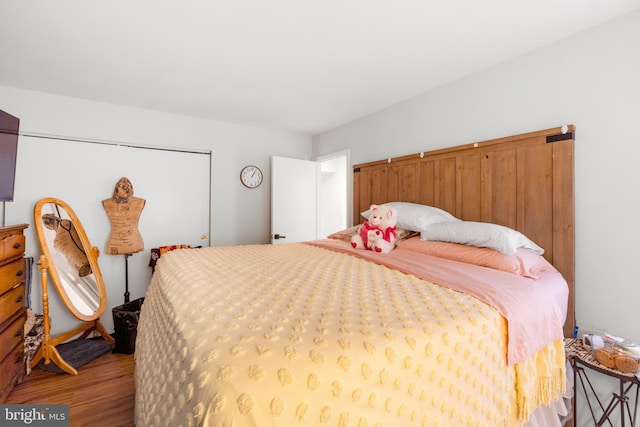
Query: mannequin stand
{"points": [[126, 278]]}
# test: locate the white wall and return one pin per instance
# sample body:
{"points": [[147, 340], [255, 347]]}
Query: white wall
{"points": [[333, 193], [591, 80], [239, 215]]}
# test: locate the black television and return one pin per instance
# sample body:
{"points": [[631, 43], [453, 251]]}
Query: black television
{"points": [[9, 127]]}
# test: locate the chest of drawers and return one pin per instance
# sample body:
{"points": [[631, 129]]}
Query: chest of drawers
{"points": [[12, 307]]}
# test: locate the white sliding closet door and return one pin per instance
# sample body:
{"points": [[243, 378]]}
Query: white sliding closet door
{"points": [[175, 185], [177, 194]]}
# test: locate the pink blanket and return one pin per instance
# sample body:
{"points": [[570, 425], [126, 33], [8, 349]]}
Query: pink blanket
{"points": [[534, 318]]}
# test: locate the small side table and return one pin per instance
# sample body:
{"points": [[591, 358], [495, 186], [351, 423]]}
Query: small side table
{"points": [[581, 358]]}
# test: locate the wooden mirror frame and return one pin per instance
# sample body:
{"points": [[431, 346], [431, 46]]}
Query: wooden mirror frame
{"points": [[90, 322]]}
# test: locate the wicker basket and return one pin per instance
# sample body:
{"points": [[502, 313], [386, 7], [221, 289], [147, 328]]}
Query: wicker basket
{"points": [[617, 358], [627, 364]]}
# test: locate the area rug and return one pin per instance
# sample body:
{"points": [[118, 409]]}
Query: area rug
{"points": [[77, 353]]}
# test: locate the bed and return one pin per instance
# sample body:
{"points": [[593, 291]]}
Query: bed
{"points": [[318, 333]]}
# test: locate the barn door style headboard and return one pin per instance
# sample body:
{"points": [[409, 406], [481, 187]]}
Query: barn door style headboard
{"points": [[524, 182]]}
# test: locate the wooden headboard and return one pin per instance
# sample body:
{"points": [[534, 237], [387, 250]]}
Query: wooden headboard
{"points": [[524, 182]]}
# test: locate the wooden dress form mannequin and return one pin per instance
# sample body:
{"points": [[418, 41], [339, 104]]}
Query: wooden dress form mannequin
{"points": [[123, 210]]}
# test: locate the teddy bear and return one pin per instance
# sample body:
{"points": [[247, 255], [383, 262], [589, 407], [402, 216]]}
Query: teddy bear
{"points": [[378, 233]]}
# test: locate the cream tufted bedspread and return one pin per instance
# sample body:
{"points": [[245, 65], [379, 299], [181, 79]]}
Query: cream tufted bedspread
{"points": [[297, 335]]}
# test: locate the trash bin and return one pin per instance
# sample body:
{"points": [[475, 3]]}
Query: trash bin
{"points": [[125, 323]]}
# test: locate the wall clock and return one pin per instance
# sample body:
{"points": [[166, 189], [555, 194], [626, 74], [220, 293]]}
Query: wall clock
{"points": [[251, 176]]}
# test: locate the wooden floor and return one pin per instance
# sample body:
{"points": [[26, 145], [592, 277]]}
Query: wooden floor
{"points": [[101, 394]]}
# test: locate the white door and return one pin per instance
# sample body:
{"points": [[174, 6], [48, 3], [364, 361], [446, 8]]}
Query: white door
{"points": [[293, 200]]}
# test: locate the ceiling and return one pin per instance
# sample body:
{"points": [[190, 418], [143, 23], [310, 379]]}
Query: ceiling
{"points": [[305, 66]]}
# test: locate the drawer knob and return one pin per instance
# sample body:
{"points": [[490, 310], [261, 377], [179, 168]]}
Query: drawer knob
{"points": [[19, 299], [19, 273], [19, 357], [16, 246]]}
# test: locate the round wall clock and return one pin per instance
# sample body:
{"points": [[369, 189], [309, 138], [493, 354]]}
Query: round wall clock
{"points": [[251, 176]]}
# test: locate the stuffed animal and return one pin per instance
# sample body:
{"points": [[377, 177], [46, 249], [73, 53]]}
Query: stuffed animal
{"points": [[378, 233]]}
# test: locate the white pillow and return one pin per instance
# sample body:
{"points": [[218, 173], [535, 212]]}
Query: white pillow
{"points": [[415, 217], [482, 234]]}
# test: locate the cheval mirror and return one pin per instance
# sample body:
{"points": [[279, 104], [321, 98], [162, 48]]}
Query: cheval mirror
{"points": [[71, 263]]}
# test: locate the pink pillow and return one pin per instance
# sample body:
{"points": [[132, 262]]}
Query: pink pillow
{"points": [[524, 262], [348, 233]]}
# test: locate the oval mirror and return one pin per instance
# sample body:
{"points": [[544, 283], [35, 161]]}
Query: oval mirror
{"points": [[71, 260]]}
